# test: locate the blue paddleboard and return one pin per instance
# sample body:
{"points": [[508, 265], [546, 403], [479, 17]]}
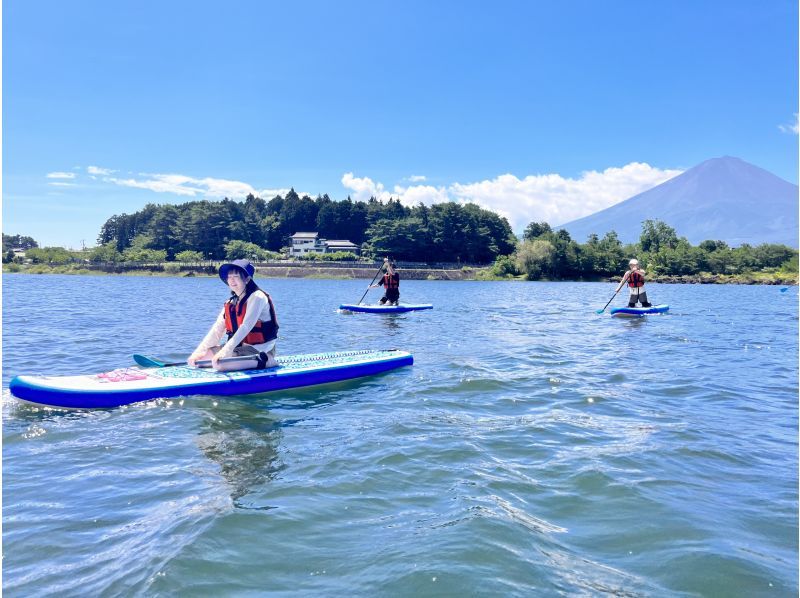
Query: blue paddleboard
{"points": [[133, 384], [384, 309], [637, 312]]}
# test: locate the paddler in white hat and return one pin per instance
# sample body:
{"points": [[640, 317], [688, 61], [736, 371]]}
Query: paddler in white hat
{"points": [[635, 279], [247, 321]]}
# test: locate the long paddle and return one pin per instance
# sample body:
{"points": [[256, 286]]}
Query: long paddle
{"points": [[599, 311], [370, 284], [149, 362]]}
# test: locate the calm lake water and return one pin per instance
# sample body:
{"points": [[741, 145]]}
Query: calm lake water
{"points": [[535, 448]]}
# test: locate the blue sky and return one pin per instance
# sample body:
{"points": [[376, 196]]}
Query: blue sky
{"points": [[538, 110]]}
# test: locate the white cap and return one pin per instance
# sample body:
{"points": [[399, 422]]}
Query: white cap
{"points": [[633, 262]]}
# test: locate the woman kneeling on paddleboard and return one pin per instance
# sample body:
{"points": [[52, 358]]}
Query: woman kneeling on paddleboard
{"points": [[635, 279], [391, 284], [247, 318]]}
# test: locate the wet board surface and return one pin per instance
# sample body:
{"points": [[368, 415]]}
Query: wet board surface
{"points": [[132, 384]]}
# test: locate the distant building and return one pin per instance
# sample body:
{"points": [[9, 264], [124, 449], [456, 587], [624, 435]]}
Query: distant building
{"points": [[341, 245], [304, 243]]}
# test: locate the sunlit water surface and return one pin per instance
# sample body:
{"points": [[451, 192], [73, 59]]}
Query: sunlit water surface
{"points": [[534, 448]]}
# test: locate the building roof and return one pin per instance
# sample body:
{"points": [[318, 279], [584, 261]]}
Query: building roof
{"points": [[342, 242], [305, 235]]}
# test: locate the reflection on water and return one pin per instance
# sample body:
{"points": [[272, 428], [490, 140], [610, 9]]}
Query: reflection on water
{"points": [[243, 436], [244, 443]]}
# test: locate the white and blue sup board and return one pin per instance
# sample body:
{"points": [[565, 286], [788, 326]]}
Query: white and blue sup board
{"points": [[133, 384], [384, 309], [638, 312]]}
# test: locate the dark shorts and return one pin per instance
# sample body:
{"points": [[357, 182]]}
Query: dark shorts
{"points": [[392, 296], [640, 298]]}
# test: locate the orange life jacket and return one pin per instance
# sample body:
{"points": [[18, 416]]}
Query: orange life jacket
{"points": [[235, 310], [391, 281], [636, 279]]}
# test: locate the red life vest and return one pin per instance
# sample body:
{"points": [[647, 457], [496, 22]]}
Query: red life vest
{"points": [[235, 310], [636, 279], [391, 281]]}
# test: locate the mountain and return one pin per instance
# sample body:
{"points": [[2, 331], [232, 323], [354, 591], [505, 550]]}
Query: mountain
{"points": [[723, 199]]}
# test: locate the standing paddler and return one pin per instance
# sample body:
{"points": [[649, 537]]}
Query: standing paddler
{"points": [[635, 279]]}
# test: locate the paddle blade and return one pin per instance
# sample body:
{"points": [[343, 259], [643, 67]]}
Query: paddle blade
{"points": [[147, 362]]}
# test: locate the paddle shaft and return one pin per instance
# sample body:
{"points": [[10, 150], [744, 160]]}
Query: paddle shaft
{"points": [[203, 363], [609, 301], [380, 269]]}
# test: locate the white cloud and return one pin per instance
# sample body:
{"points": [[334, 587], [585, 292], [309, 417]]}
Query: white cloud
{"points": [[791, 128], [550, 198], [545, 197], [160, 184], [180, 184], [427, 194], [224, 188], [61, 184], [183, 185], [60, 175], [268, 194], [96, 170], [364, 188], [416, 178]]}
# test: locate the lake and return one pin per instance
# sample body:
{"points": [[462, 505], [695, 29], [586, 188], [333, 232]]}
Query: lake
{"points": [[535, 448]]}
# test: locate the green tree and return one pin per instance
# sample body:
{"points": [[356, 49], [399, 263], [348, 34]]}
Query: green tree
{"points": [[609, 258], [657, 234], [18, 242], [504, 266], [534, 258], [140, 251], [238, 249], [162, 230], [535, 230], [49, 255], [104, 254], [188, 256], [399, 239]]}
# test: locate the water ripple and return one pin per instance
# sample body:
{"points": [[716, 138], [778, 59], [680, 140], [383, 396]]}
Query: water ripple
{"points": [[535, 448]]}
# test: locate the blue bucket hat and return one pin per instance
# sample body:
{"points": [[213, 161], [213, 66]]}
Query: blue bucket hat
{"points": [[245, 268]]}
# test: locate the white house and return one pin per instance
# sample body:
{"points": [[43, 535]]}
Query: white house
{"points": [[303, 243]]}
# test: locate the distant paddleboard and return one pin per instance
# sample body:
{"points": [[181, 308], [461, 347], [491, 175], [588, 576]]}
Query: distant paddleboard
{"points": [[638, 312], [385, 309]]}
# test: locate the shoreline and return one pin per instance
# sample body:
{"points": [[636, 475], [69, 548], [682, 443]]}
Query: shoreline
{"points": [[466, 273]]}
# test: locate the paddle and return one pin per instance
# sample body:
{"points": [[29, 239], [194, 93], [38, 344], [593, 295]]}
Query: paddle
{"points": [[149, 362], [599, 311], [380, 268]]}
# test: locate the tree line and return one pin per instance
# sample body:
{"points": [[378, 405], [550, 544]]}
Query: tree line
{"points": [[544, 253], [445, 232], [452, 232]]}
